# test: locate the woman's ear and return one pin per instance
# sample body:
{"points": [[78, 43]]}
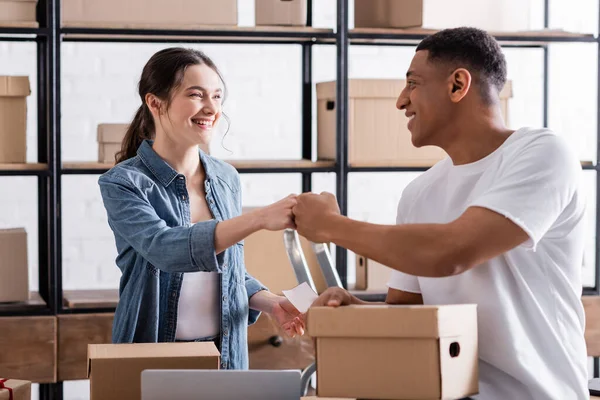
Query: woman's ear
{"points": [[459, 85], [154, 104]]}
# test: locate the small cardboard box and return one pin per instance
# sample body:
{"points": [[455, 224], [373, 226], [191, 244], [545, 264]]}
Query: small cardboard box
{"points": [[15, 389], [396, 352], [371, 275], [115, 370], [18, 11], [177, 14], [14, 272], [377, 131], [388, 13], [110, 137], [281, 12], [13, 118]]}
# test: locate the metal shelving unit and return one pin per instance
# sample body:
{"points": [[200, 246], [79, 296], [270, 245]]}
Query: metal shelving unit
{"points": [[49, 168]]}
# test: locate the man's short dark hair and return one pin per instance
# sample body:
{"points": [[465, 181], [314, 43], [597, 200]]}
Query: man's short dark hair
{"points": [[469, 48]]}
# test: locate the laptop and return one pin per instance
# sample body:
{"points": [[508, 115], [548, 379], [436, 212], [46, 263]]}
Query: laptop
{"points": [[194, 384]]}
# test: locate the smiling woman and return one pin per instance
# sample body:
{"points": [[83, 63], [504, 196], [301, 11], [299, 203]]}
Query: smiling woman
{"points": [[175, 212]]}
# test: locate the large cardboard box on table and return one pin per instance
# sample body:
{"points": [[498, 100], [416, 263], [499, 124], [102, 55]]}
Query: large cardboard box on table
{"points": [[377, 131], [281, 12], [13, 118], [14, 272], [178, 14], [506, 15], [18, 12], [15, 389], [115, 370], [396, 352]]}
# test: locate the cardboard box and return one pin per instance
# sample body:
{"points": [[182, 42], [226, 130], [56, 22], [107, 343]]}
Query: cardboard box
{"points": [[377, 131], [506, 15], [396, 352], [14, 271], [281, 12], [115, 370], [371, 275], [177, 14], [14, 389], [388, 13], [18, 11], [110, 137], [13, 118]]}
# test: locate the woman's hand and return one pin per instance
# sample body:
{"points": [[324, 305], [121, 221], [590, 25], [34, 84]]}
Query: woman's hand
{"points": [[278, 216]]}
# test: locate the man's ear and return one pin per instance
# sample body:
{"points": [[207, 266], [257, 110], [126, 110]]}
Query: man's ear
{"points": [[459, 84], [154, 104]]}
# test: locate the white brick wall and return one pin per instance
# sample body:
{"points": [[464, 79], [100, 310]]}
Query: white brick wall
{"points": [[99, 85]]}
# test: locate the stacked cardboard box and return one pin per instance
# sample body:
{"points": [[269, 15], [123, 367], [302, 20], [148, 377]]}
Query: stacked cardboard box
{"points": [[281, 12], [506, 15], [377, 132], [177, 14], [13, 118], [18, 12], [110, 137], [14, 275]]}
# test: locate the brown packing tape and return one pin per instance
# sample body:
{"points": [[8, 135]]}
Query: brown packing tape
{"points": [[14, 86]]}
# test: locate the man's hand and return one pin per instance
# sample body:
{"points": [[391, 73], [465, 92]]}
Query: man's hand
{"points": [[288, 317], [335, 297], [312, 215]]}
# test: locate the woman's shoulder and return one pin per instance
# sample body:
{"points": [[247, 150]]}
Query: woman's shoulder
{"points": [[129, 172]]}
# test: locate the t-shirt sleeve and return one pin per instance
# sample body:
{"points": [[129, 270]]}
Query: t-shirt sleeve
{"points": [[399, 280], [534, 186]]}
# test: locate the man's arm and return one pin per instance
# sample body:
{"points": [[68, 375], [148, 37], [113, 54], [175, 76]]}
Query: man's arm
{"points": [[395, 296], [431, 250], [428, 250]]}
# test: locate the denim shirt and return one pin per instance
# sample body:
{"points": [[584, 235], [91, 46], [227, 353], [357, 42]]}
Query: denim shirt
{"points": [[149, 212]]}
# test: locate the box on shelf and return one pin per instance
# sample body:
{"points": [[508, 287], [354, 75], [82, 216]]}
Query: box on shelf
{"points": [[13, 118], [176, 14], [281, 12], [506, 15], [15, 389], [388, 13], [371, 275], [110, 137], [431, 351], [377, 131], [18, 12], [115, 370], [14, 272]]}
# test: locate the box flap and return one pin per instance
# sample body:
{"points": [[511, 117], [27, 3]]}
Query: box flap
{"points": [[363, 88], [10, 231], [111, 133], [154, 350], [14, 86], [392, 321]]}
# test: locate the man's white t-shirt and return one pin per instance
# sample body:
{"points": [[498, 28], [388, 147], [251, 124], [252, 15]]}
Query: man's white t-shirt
{"points": [[530, 316]]}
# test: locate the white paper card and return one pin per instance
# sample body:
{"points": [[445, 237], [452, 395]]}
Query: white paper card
{"points": [[302, 296]]}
